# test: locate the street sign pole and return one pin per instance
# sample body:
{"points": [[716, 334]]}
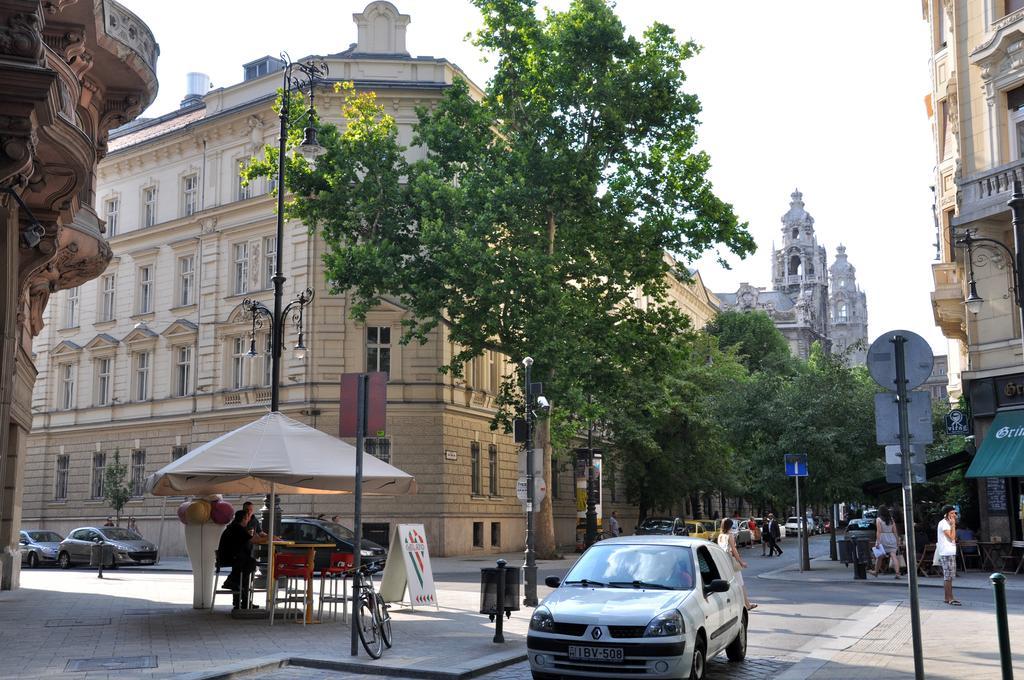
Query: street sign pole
{"points": [[800, 535], [908, 503]]}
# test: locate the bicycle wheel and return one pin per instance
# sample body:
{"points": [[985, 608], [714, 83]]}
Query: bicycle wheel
{"points": [[369, 628], [384, 616]]}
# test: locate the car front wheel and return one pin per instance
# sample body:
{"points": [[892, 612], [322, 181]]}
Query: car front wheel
{"points": [[33, 560], [64, 560], [737, 649], [699, 666]]}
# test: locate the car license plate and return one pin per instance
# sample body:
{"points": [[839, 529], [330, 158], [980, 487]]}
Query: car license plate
{"points": [[610, 654]]}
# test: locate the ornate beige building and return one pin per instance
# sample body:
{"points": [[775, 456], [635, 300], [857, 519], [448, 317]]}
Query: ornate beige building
{"points": [[977, 112], [70, 70], [148, 359]]}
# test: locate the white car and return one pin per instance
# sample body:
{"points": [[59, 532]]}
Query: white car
{"points": [[793, 526], [640, 606]]}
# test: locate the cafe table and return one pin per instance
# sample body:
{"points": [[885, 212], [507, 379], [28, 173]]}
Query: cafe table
{"points": [[311, 549], [991, 553]]}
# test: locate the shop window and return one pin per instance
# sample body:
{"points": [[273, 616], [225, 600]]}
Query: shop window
{"points": [[495, 534], [478, 534]]}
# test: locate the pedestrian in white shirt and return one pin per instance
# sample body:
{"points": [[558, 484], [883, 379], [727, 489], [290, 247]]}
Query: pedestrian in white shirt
{"points": [[613, 525], [945, 548]]}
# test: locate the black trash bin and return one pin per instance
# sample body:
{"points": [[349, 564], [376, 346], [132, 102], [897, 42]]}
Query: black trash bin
{"points": [[861, 558], [101, 555], [489, 590]]}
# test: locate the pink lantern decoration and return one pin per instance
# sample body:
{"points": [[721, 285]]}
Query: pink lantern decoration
{"points": [[181, 511], [221, 512]]}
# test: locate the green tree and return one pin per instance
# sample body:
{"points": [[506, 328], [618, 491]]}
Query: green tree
{"points": [[115, 490], [759, 344], [540, 210]]}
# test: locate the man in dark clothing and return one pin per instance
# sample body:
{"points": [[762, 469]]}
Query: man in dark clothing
{"points": [[235, 551], [253, 522], [774, 533]]}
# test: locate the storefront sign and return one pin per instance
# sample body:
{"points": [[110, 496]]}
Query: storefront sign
{"points": [[995, 490], [412, 569], [1010, 390]]}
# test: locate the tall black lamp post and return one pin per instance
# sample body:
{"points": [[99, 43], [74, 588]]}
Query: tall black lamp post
{"points": [[530, 568], [298, 77]]}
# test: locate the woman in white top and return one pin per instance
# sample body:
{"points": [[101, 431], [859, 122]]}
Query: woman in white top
{"points": [[727, 542], [887, 540]]}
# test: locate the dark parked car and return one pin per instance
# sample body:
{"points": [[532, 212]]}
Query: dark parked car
{"points": [[39, 547], [662, 526], [129, 547], [311, 530], [860, 529]]}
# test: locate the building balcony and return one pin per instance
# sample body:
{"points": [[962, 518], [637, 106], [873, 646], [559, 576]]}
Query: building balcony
{"points": [[984, 195], [948, 301]]}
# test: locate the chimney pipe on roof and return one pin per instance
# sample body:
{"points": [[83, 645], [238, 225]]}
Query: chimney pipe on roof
{"points": [[197, 85]]}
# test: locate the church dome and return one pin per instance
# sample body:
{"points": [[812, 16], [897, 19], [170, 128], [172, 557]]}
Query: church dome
{"points": [[796, 216]]}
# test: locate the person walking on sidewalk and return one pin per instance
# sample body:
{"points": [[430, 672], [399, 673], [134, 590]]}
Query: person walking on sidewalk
{"points": [[945, 548], [886, 540], [727, 542], [613, 525], [773, 534]]}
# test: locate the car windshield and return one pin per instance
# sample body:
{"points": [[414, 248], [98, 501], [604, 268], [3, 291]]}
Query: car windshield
{"points": [[626, 565], [657, 524], [45, 536], [338, 530], [119, 534]]}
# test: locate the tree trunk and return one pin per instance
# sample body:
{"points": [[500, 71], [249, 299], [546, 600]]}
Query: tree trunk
{"points": [[544, 541]]}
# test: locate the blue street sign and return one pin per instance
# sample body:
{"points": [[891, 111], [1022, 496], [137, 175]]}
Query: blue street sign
{"points": [[796, 464]]}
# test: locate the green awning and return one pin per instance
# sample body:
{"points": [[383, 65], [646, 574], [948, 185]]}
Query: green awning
{"points": [[1002, 452]]}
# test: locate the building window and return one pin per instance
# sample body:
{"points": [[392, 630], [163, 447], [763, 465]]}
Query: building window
{"points": [[492, 371], [244, 188], [474, 468], [145, 304], [241, 258], [378, 447], [99, 468], [238, 351], [67, 386], [182, 370], [60, 487], [378, 349], [107, 299], [103, 381], [71, 308], [478, 534], [492, 469], [186, 280], [138, 472], [495, 534], [177, 452], [142, 362], [113, 205], [149, 206], [843, 313], [269, 260], [190, 194]]}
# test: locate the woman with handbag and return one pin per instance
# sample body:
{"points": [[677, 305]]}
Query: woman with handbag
{"points": [[727, 542], [887, 542]]}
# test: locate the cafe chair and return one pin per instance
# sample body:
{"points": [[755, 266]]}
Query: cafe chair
{"points": [[295, 570], [336, 570], [1016, 555]]}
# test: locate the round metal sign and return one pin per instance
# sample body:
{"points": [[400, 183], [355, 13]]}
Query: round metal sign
{"points": [[882, 360]]}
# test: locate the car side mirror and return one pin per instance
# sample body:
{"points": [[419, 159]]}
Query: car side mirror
{"points": [[718, 585], [552, 581], [23, 541]]}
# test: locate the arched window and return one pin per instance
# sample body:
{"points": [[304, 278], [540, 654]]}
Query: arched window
{"points": [[796, 232], [842, 313], [795, 266]]}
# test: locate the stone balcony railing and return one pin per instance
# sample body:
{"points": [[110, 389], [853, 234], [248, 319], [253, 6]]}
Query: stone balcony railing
{"points": [[984, 194]]}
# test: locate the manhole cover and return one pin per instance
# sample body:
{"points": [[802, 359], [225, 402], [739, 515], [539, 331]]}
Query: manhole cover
{"points": [[111, 663], [85, 621]]}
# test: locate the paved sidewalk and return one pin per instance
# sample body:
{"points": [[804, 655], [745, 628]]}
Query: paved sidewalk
{"points": [[141, 624], [824, 570]]}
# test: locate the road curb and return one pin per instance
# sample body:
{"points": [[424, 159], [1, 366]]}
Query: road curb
{"points": [[789, 574]]}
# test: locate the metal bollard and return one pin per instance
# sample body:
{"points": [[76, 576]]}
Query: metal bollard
{"points": [[499, 603], [99, 573], [1005, 660]]}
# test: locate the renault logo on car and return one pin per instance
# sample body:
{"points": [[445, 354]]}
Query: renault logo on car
{"points": [[596, 633]]}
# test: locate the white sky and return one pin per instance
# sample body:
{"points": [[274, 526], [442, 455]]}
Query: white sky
{"points": [[827, 97]]}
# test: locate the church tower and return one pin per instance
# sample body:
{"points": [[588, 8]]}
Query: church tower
{"points": [[800, 270], [848, 310]]}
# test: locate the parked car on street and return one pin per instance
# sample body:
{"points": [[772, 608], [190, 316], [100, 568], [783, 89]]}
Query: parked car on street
{"points": [[129, 547], [312, 530], [38, 547], [860, 529], [663, 526], [651, 606], [742, 533], [794, 525], [701, 528]]}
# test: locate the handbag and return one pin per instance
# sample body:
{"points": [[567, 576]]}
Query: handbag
{"points": [[878, 551]]}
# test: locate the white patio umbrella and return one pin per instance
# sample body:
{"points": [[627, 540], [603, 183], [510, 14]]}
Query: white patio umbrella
{"points": [[276, 454]]}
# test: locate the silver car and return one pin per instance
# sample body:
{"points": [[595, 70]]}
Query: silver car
{"points": [[38, 547], [128, 547]]}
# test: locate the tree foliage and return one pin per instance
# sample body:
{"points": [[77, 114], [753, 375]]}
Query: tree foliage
{"points": [[115, 490], [758, 344]]}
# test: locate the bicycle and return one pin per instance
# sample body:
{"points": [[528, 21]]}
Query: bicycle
{"points": [[371, 616]]}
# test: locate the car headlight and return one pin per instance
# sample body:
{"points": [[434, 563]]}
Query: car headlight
{"points": [[366, 553], [667, 624], [542, 620]]}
